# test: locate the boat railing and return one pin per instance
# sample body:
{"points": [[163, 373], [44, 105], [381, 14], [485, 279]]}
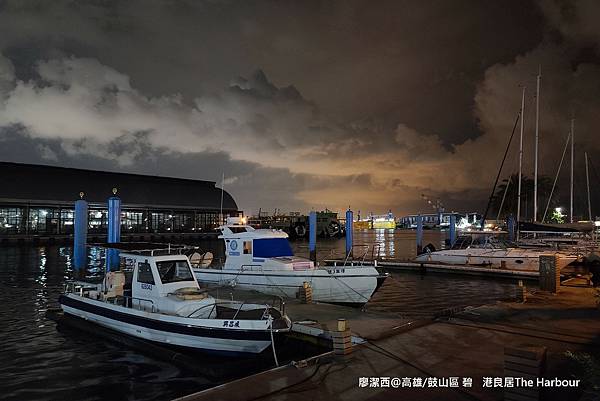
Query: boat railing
{"points": [[169, 250], [361, 253], [228, 304], [78, 287]]}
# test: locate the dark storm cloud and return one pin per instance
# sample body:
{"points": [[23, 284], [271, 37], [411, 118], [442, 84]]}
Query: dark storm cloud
{"points": [[302, 104]]}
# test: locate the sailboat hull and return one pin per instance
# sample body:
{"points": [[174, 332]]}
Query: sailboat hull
{"points": [[514, 259]]}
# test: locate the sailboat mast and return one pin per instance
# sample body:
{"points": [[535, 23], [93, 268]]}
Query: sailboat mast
{"points": [[572, 159], [537, 130], [587, 178], [520, 161]]}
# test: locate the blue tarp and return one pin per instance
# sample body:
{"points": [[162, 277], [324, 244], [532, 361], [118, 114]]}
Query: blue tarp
{"points": [[271, 248]]}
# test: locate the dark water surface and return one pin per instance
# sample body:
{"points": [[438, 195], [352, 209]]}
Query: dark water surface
{"points": [[44, 362]]}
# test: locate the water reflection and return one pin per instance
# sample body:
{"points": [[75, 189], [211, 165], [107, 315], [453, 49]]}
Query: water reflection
{"points": [[41, 362]]}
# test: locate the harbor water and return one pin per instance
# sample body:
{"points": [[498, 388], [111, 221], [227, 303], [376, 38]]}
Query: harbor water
{"points": [[42, 361]]}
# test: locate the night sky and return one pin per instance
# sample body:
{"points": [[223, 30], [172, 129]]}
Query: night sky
{"points": [[302, 104]]}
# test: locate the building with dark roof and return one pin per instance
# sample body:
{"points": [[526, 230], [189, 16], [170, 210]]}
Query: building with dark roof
{"points": [[38, 201]]}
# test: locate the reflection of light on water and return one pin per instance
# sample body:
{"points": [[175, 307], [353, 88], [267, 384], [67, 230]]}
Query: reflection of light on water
{"points": [[41, 296]]}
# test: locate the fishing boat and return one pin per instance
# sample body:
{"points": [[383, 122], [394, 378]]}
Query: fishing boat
{"points": [[486, 250], [154, 296], [262, 260]]}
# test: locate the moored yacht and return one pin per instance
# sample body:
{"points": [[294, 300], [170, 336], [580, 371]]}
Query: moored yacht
{"points": [[262, 260], [486, 250], [156, 297]]}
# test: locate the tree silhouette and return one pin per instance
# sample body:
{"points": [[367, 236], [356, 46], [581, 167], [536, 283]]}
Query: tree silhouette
{"points": [[527, 189]]}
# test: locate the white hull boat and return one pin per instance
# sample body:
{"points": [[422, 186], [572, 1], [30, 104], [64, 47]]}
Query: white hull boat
{"points": [[262, 260], [167, 306], [494, 254]]}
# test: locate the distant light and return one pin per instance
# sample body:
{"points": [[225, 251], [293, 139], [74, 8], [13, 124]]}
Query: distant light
{"points": [[558, 210], [43, 213], [597, 223]]}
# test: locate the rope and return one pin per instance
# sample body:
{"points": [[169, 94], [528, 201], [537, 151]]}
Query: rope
{"points": [[556, 177]]}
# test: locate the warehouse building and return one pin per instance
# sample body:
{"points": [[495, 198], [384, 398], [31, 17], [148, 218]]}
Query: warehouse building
{"points": [[37, 202]]}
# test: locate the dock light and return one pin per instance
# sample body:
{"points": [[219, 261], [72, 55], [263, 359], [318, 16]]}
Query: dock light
{"points": [[341, 325]]}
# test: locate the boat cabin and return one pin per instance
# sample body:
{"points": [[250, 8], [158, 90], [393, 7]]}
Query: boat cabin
{"points": [[156, 283], [247, 247]]}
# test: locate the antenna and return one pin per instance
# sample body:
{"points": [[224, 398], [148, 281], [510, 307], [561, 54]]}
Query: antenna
{"points": [[222, 189]]}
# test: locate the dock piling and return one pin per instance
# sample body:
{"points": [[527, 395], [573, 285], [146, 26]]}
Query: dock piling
{"points": [[312, 235], [349, 239], [306, 293], [342, 338], [452, 230], [510, 226], [114, 230], [419, 234], [80, 229], [549, 273]]}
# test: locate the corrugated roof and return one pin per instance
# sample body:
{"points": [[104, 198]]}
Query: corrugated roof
{"points": [[48, 184]]}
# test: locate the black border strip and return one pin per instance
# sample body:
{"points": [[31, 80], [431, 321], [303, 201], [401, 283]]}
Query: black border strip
{"points": [[230, 334]]}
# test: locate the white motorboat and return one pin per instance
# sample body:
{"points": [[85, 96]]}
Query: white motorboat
{"points": [[262, 260], [487, 251], [165, 304]]}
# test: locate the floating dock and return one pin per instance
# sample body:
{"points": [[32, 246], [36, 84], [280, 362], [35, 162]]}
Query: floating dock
{"points": [[474, 270]]}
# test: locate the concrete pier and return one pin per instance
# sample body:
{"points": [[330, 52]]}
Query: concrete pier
{"points": [[469, 345]]}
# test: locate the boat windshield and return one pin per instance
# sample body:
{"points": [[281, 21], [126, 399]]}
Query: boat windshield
{"points": [[172, 271], [272, 248]]}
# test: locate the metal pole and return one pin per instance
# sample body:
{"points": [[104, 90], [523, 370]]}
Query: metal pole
{"points": [[572, 158], [587, 178], [537, 127], [520, 161]]}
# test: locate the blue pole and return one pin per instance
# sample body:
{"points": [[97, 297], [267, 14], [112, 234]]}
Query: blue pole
{"points": [[114, 231], [510, 225], [452, 229], [419, 234], [349, 239], [312, 235], [80, 229]]}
